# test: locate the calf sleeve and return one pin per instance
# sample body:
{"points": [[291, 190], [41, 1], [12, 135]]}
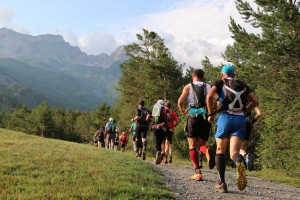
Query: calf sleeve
{"points": [[194, 157], [203, 149], [221, 165]]}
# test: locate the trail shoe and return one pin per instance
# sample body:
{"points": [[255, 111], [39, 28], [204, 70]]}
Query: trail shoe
{"points": [[170, 160], [241, 180], [197, 176], [144, 155], [249, 161], [158, 158], [221, 187], [210, 156]]}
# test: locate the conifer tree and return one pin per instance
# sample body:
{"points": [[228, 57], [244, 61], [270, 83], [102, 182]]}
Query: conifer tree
{"points": [[269, 61], [150, 73]]}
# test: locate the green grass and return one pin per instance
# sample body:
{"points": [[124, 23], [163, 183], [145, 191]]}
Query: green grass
{"points": [[39, 168], [277, 176]]}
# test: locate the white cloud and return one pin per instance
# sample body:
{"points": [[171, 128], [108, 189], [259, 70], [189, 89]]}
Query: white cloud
{"points": [[193, 29], [6, 16], [98, 42], [69, 36]]}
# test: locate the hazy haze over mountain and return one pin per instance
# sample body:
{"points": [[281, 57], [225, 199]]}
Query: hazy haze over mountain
{"points": [[52, 68]]}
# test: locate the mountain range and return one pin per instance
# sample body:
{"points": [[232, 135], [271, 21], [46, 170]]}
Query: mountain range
{"points": [[46, 68]]}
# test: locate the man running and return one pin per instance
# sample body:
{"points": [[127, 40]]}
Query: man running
{"points": [[132, 130], [197, 127], [251, 118], [123, 140], [159, 130], [111, 130], [173, 121], [142, 117], [232, 97]]}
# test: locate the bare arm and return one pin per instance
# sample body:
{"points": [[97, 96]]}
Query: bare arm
{"points": [[210, 100], [183, 97], [257, 112], [253, 102]]}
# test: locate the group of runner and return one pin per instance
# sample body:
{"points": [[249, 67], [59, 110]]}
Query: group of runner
{"points": [[108, 136], [231, 100]]}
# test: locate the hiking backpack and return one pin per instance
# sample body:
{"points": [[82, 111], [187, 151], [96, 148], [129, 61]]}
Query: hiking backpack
{"points": [[235, 98], [199, 95], [159, 114]]}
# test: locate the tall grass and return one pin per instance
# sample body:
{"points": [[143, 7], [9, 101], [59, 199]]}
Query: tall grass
{"points": [[39, 168]]}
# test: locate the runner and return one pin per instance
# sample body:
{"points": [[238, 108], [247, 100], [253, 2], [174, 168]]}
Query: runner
{"points": [[132, 130], [100, 136], [232, 96], [159, 130], [111, 130], [173, 121], [142, 118], [251, 118], [197, 126], [123, 140]]}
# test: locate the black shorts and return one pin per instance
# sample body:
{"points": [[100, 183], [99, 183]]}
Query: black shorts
{"points": [[101, 139], [134, 138], [169, 136], [249, 127], [198, 127], [141, 131], [123, 145]]}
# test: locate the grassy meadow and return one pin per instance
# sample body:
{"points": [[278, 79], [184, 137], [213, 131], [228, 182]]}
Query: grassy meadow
{"points": [[40, 168]]}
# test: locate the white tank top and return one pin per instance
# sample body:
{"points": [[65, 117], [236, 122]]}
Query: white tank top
{"points": [[190, 98]]}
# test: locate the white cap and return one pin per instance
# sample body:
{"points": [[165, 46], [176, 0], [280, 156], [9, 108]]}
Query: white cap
{"points": [[161, 102], [111, 119]]}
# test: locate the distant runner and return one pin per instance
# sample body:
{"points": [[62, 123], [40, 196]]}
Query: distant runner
{"points": [[173, 121], [111, 130], [142, 118], [132, 130], [123, 140]]}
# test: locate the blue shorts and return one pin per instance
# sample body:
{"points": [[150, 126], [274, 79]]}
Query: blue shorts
{"points": [[231, 125]]}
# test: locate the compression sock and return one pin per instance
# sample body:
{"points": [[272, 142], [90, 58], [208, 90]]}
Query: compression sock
{"points": [[203, 149], [221, 165], [237, 158], [194, 157]]}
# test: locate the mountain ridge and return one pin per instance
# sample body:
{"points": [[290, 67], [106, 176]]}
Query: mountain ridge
{"points": [[52, 70]]}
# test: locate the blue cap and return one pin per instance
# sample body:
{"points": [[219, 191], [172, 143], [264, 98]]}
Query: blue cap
{"points": [[228, 69]]}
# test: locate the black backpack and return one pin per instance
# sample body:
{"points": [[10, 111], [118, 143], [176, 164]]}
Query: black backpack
{"points": [[199, 95], [235, 99], [143, 118]]}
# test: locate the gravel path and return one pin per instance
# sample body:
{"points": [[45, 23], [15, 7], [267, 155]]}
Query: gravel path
{"points": [[177, 178]]}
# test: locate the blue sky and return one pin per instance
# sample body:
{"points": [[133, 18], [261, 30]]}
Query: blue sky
{"points": [[192, 29]]}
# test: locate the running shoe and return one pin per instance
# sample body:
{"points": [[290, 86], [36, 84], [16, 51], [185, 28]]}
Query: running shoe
{"points": [[165, 159], [158, 158], [197, 176], [241, 180], [170, 160], [210, 156], [249, 161], [221, 187], [144, 155]]}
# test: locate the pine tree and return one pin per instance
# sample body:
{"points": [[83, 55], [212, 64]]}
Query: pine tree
{"points": [[269, 61], [150, 73]]}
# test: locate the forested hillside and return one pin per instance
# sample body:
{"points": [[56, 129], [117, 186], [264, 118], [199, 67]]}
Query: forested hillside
{"points": [[268, 61]]}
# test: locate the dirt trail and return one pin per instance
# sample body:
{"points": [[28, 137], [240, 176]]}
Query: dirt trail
{"points": [[177, 178]]}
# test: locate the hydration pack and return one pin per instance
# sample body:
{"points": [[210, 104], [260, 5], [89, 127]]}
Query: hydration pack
{"points": [[199, 95], [235, 98]]}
